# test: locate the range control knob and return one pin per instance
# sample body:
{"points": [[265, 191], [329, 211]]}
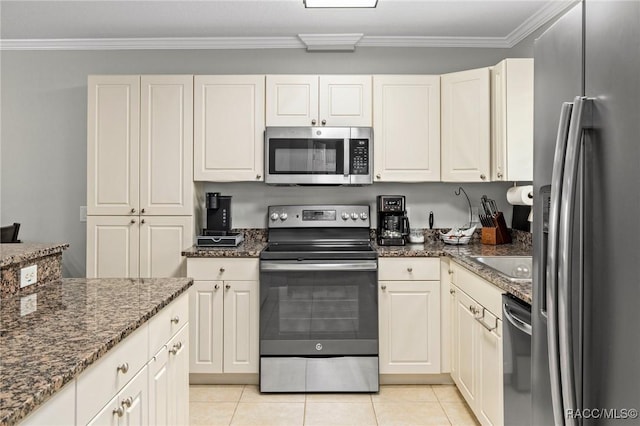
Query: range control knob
{"points": [[283, 216], [354, 215], [364, 216], [274, 216], [345, 215]]}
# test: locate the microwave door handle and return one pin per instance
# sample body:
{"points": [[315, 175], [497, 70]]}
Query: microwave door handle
{"points": [[347, 158]]}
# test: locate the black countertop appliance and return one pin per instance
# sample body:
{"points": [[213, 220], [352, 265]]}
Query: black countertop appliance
{"points": [[393, 223], [218, 231]]}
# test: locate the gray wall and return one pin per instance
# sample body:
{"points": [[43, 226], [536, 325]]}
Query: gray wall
{"points": [[43, 135]]}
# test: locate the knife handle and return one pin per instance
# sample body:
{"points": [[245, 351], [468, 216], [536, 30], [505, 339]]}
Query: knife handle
{"points": [[430, 220]]}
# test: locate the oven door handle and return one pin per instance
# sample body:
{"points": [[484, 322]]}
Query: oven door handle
{"points": [[296, 265]]}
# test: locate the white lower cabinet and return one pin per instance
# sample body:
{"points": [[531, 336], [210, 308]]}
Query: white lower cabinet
{"points": [[59, 410], [476, 344], [409, 315], [129, 406], [224, 309]]}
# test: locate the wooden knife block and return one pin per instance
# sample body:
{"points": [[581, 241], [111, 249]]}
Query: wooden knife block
{"points": [[499, 234]]}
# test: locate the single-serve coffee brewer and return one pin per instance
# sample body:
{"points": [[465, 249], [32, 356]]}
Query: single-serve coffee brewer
{"points": [[218, 230], [393, 223]]}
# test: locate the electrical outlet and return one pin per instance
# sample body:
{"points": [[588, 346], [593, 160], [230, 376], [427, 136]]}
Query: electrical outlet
{"points": [[83, 213], [28, 275], [28, 304]]}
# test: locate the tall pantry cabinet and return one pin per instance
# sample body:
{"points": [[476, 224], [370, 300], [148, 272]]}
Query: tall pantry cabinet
{"points": [[140, 195]]}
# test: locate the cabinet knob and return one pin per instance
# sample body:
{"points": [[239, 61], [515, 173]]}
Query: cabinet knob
{"points": [[378, 176], [450, 271], [142, 221], [124, 367], [133, 221], [227, 286], [222, 269], [383, 287], [499, 174], [216, 287], [313, 122], [483, 177], [175, 319], [452, 291], [133, 210], [324, 122], [127, 402], [409, 269], [174, 350], [118, 411], [258, 177]]}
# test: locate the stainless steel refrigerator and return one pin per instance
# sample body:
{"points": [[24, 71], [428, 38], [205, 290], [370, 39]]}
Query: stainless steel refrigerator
{"points": [[586, 232]]}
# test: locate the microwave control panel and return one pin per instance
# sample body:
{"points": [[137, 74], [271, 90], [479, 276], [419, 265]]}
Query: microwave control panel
{"points": [[359, 156]]}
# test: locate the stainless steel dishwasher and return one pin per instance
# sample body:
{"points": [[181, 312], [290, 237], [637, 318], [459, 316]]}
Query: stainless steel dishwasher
{"points": [[516, 351]]}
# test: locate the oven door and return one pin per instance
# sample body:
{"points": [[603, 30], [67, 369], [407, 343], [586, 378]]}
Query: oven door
{"points": [[318, 308], [307, 155]]}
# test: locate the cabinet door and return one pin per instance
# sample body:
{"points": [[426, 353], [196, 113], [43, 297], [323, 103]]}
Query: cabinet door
{"points": [[409, 327], [465, 346], [206, 302], [162, 239], [466, 126], [112, 246], [113, 144], [166, 145], [179, 378], [159, 389], [406, 113], [490, 390], [241, 321], [134, 400], [229, 128], [512, 120], [345, 100], [292, 100]]}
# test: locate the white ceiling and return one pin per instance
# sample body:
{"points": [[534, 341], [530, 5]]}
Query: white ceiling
{"points": [[266, 23]]}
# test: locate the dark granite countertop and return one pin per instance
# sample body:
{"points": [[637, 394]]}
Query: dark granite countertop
{"points": [[24, 252], [76, 322], [247, 248]]}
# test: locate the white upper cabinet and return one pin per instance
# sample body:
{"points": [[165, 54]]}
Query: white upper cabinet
{"points": [[311, 100], [406, 110], [466, 126], [512, 120], [113, 144], [229, 128], [166, 145]]}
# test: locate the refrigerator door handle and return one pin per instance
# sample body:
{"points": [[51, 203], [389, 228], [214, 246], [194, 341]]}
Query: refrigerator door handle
{"points": [[552, 262], [581, 107]]}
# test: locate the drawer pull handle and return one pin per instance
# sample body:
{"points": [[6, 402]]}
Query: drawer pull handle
{"points": [[175, 319], [124, 367], [127, 402], [409, 269], [118, 411], [481, 317], [222, 269], [175, 348]]}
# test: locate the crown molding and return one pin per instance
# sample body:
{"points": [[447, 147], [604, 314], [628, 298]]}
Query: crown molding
{"points": [[346, 42], [538, 19]]}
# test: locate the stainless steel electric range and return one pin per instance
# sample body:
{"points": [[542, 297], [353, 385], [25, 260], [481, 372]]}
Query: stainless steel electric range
{"points": [[319, 301]]}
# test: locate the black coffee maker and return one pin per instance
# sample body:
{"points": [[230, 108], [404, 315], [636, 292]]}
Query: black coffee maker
{"points": [[218, 231], [393, 223], [218, 214]]}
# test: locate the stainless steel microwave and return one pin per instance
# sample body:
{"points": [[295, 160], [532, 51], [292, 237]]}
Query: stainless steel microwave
{"points": [[318, 155]]}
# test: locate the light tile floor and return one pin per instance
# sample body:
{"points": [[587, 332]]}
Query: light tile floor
{"points": [[413, 405]]}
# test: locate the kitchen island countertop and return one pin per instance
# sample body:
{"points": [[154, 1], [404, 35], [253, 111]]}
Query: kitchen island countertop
{"points": [[75, 323], [24, 252]]}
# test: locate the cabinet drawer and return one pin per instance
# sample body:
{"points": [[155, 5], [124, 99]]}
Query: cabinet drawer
{"points": [[100, 382], [211, 269], [414, 268], [167, 322], [485, 293]]}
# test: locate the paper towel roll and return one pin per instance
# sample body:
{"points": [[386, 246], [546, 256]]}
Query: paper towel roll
{"points": [[520, 195]]}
